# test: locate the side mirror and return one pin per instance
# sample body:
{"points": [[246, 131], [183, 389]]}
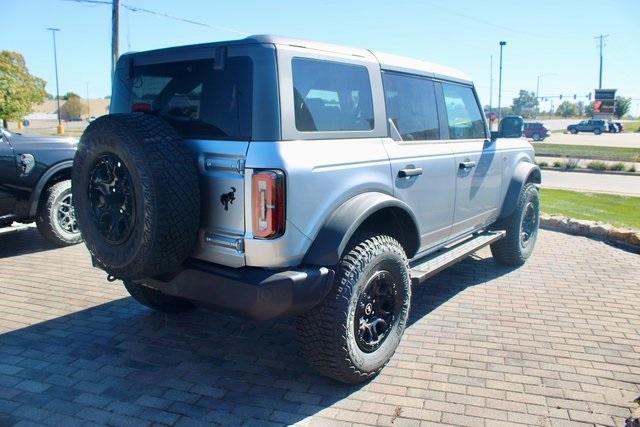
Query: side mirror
{"points": [[510, 127]]}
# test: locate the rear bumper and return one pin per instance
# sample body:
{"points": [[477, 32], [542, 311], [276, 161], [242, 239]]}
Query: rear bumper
{"points": [[253, 293]]}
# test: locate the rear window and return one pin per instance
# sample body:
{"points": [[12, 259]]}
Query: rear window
{"points": [[411, 105], [196, 98], [331, 96]]}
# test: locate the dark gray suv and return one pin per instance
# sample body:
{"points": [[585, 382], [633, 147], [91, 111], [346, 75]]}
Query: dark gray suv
{"points": [[595, 126]]}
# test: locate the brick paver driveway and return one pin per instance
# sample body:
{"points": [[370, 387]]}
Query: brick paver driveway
{"points": [[554, 343]]}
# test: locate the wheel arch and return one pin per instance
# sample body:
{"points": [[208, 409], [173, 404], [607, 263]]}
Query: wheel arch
{"points": [[56, 173], [523, 173], [371, 211]]}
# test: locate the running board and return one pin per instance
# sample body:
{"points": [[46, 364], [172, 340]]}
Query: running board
{"points": [[428, 266]]}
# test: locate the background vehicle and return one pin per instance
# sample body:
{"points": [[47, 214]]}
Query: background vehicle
{"points": [[595, 126], [35, 185], [536, 131], [268, 177]]}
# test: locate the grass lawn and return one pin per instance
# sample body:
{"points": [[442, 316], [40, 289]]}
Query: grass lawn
{"points": [[619, 154], [620, 211], [632, 126]]}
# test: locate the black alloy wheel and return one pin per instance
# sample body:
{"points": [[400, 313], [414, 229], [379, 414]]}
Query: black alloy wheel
{"points": [[112, 199]]}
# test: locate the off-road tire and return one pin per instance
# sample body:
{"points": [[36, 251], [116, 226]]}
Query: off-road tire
{"points": [[326, 334], [510, 250], [164, 183], [46, 218], [156, 300]]}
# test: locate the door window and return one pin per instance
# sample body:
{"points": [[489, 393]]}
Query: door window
{"points": [[463, 114], [411, 105], [331, 96]]}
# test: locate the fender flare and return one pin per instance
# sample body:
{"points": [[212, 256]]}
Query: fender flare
{"points": [[42, 182], [339, 228], [524, 172]]}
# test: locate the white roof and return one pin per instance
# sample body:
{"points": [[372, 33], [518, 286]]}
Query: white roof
{"points": [[387, 61], [402, 63]]}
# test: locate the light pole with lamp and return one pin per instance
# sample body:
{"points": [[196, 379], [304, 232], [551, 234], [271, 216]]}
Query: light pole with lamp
{"points": [[502, 44]]}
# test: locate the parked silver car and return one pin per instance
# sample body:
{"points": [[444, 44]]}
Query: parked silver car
{"points": [[268, 177]]}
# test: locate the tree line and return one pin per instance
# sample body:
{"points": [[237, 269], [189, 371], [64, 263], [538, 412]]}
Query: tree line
{"points": [[527, 105]]}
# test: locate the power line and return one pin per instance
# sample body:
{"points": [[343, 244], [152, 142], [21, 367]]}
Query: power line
{"points": [[161, 14]]}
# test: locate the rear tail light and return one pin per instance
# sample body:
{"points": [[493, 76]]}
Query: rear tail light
{"points": [[267, 202], [140, 107]]}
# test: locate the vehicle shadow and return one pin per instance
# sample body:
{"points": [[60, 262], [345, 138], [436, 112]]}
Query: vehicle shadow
{"points": [[120, 360], [21, 241]]}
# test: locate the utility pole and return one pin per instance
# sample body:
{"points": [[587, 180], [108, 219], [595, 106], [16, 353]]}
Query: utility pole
{"points": [[490, 83], [502, 44], [601, 38], [115, 29], [60, 128]]}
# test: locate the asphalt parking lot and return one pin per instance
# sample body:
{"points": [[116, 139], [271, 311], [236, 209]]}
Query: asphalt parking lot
{"points": [[556, 342]]}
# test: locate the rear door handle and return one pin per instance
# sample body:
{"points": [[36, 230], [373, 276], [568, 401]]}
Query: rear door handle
{"points": [[405, 173], [467, 165]]}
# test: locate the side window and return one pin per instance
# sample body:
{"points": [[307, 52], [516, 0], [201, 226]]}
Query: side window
{"points": [[331, 96], [463, 114], [411, 105]]}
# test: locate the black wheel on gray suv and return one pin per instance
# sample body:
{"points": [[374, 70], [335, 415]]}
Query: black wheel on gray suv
{"points": [[156, 300], [353, 333], [573, 131], [136, 195], [597, 131], [56, 219], [521, 227]]}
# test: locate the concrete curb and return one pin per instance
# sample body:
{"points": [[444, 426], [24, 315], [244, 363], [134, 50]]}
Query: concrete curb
{"points": [[625, 237], [585, 170]]}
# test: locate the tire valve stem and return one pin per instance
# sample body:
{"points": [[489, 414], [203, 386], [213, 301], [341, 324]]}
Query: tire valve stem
{"points": [[111, 278]]}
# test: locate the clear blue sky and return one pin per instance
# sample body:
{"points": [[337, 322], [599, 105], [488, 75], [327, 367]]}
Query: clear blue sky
{"points": [[544, 36]]}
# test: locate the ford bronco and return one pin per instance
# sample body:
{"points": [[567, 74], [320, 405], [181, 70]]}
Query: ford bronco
{"points": [[270, 177]]}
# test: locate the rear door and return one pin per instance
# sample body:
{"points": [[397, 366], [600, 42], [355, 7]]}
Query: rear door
{"points": [[7, 176], [478, 167], [218, 100], [422, 165]]}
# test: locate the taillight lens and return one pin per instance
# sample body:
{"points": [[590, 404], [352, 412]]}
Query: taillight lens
{"points": [[267, 199]]}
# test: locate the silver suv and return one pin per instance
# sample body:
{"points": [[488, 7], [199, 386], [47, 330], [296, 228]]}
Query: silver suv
{"points": [[271, 177]]}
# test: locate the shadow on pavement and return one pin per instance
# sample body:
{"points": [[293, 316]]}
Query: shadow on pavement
{"points": [[22, 241], [120, 362]]}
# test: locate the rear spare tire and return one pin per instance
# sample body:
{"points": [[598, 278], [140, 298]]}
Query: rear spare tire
{"points": [[136, 195]]}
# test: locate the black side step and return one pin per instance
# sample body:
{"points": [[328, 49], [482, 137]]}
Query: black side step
{"points": [[424, 268]]}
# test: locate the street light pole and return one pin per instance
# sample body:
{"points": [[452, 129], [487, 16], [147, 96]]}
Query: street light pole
{"points": [[502, 44], [490, 83], [60, 129]]}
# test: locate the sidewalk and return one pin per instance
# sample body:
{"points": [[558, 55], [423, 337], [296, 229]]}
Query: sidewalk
{"points": [[625, 185]]}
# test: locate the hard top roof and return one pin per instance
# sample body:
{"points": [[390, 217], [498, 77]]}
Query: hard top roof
{"points": [[386, 61]]}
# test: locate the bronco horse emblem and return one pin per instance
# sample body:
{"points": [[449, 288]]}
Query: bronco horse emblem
{"points": [[228, 198]]}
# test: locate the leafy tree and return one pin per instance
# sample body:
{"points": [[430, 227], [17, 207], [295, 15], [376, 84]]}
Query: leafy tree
{"points": [[567, 109], [18, 88], [588, 110], [74, 107], [622, 106], [580, 107], [67, 96], [526, 104]]}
